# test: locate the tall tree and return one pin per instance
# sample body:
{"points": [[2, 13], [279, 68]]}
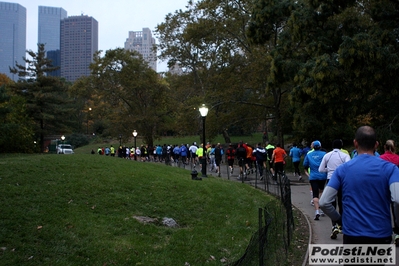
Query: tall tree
{"points": [[46, 98], [338, 50], [210, 43], [136, 97]]}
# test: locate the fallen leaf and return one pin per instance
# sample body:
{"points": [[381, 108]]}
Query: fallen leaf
{"points": [[39, 227], [213, 257]]}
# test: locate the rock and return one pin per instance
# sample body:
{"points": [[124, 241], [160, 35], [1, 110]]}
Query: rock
{"points": [[169, 222]]}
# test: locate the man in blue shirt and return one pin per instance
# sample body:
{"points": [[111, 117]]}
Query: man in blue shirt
{"points": [[368, 185], [295, 154], [317, 179]]}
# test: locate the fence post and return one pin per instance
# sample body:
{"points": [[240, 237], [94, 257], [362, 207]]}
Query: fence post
{"points": [[260, 238]]}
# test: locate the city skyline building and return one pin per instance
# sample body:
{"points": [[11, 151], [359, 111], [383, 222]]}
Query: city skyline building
{"points": [[144, 43], [78, 43], [12, 37], [49, 31]]}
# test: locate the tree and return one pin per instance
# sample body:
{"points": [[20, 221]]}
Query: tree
{"points": [[338, 53], [209, 42], [46, 99], [15, 127], [136, 97]]}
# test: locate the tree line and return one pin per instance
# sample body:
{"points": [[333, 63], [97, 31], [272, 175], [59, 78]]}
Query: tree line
{"points": [[309, 68]]}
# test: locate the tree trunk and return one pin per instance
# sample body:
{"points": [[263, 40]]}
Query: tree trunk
{"points": [[226, 136]]}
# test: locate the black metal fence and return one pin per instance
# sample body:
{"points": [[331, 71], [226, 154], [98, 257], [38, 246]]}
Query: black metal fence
{"points": [[270, 244]]}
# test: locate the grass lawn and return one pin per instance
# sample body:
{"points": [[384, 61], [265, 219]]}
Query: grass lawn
{"points": [[78, 210]]}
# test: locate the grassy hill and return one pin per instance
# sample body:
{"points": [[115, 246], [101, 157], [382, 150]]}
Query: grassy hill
{"points": [[79, 210]]}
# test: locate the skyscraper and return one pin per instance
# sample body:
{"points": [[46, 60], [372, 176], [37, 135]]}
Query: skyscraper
{"points": [[49, 28], [144, 43], [12, 37], [79, 41]]}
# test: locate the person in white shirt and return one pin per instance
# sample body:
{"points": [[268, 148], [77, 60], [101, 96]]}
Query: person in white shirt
{"points": [[193, 152], [329, 163]]}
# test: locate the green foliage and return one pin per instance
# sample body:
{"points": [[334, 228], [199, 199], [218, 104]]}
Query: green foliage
{"points": [[46, 100], [128, 95], [344, 61], [15, 127], [78, 140], [85, 214], [221, 68]]}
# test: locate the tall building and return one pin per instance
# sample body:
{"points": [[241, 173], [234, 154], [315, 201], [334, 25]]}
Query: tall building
{"points": [[49, 28], [144, 43], [79, 41], [12, 37]]}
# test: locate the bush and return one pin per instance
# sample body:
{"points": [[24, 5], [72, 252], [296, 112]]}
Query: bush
{"points": [[78, 140]]}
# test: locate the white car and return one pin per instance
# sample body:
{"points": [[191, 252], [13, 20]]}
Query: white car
{"points": [[64, 149]]}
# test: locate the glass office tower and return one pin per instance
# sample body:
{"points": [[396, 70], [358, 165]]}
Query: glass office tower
{"points": [[12, 37], [49, 31], [79, 41]]}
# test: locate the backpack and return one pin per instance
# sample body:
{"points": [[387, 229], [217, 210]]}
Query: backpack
{"points": [[241, 152]]}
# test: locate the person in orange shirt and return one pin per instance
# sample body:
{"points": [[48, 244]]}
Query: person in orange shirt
{"points": [[278, 158], [248, 161]]}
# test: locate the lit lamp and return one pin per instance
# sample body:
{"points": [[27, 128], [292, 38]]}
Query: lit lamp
{"points": [[203, 111], [135, 135], [87, 125], [62, 149]]}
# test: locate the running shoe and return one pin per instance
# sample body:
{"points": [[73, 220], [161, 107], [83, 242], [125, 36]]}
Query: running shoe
{"points": [[396, 240], [299, 178], [317, 215], [334, 232], [322, 213], [311, 202]]}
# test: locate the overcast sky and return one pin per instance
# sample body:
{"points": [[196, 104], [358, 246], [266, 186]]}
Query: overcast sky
{"points": [[115, 17]]}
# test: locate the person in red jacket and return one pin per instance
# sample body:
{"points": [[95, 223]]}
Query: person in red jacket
{"points": [[389, 154]]}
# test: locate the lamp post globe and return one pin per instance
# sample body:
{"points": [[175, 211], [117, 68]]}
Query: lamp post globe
{"points": [[135, 135], [62, 147], [204, 112]]}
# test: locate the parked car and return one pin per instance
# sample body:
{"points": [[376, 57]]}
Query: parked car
{"points": [[64, 149]]}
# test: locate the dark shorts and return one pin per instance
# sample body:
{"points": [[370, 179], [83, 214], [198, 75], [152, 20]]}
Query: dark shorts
{"points": [[217, 161], [241, 162], [248, 160], [317, 185], [270, 164], [279, 167], [230, 162]]}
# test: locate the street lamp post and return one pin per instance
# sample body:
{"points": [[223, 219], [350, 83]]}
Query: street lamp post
{"points": [[135, 135], [87, 124], [62, 149], [120, 140], [204, 112]]}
